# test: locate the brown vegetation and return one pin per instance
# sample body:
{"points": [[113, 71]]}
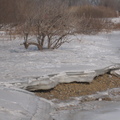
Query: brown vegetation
{"points": [[116, 26], [91, 19], [51, 21], [49, 24], [65, 91], [92, 11]]}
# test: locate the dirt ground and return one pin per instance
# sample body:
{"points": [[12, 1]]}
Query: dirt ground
{"points": [[65, 91]]}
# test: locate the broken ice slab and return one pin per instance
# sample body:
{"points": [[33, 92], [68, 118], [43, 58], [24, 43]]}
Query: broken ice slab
{"points": [[116, 72], [67, 77], [16, 104]]}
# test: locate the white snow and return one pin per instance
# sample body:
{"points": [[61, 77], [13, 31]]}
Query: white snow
{"points": [[92, 52], [116, 20]]}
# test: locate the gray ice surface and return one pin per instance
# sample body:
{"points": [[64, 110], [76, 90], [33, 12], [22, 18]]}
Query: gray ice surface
{"points": [[16, 104], [103, 110], [90, 107]]}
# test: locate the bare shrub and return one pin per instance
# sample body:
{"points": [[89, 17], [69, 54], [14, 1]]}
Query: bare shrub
{"points": [[90, 19], [92, 25], [116, 26], [48, 24]]}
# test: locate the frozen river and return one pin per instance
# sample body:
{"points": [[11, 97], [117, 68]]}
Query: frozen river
{"points": [[83, 55]]}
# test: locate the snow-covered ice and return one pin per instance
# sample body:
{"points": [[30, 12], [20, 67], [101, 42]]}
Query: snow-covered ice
{"points": [[84, 53], [84, 57]]}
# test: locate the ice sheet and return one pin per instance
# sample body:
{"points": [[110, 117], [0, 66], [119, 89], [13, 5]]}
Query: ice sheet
{"points": [[20, 68], [87, 53]]}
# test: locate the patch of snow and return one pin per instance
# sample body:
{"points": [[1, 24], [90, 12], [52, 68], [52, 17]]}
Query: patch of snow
{"points": [[116, 20]]}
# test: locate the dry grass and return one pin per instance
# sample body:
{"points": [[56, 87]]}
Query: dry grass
{"points": [[65, 91], [91, 19], [116, 26], [92, 11]]}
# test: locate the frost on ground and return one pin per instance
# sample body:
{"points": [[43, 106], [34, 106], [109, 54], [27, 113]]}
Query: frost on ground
{"points": [[22, 68]]}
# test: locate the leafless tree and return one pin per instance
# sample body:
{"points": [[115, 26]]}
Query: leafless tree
{"points": [[49, 24]]}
